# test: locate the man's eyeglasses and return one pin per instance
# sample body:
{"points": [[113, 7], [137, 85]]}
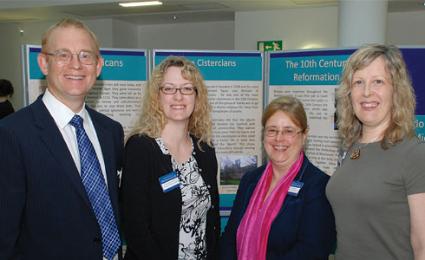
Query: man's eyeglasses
{"points": [[285, 132], [172, 89], [64, 56]]}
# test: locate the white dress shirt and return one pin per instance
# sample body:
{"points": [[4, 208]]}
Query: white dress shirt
{"points": [[62, 116]]}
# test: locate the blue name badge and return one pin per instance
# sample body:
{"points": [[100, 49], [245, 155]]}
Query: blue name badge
{"points": [[295, 188], [169, 182]]}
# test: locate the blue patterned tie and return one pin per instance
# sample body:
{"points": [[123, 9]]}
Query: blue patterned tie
{"points": [[97, 191]]}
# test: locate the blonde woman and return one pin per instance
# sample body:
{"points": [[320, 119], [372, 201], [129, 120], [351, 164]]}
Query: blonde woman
{"points": [[169, 189], [378, 192]]}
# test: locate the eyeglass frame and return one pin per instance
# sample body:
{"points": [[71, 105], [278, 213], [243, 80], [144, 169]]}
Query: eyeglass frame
{"points": [[55, 54], [284, 132], [175, 89]]}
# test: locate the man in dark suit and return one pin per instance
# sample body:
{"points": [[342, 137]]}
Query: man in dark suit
{"points": [[60, 159]]}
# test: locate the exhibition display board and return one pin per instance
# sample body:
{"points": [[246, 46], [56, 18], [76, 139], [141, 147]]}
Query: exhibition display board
{"points": [[415, 62]]}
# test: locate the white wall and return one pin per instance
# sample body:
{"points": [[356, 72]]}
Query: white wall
{"points": [[206, 36], [103, 30], [317, 28], [407, 28], [297, 28], [10, 67], [33, 31], [125, 35]]}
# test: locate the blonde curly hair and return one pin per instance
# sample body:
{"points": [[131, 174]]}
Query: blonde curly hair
{"points": [[152, 120], [403, 98]]}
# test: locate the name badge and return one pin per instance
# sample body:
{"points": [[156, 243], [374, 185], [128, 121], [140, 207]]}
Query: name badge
{"points": [[295, 188], [169, 182]]}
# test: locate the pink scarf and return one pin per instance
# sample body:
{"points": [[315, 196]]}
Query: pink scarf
{"points": [[253, 231]]}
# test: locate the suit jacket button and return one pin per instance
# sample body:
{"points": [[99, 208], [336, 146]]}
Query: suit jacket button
{"points": [[96, 240]]}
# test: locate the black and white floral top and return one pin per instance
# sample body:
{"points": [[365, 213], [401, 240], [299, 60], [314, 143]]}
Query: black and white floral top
{"points": [[196, 201]]}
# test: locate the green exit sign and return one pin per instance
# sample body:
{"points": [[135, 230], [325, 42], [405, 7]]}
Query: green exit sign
{"points": [[269, 45]]}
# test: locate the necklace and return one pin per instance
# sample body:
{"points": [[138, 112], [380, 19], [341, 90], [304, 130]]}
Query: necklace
{"points": [[355, 154]]}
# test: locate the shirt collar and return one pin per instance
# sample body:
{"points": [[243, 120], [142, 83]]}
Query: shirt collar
{"points": [[59, 111]]}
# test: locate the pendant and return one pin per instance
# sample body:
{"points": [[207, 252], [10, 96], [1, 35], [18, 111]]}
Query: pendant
{"points": [[355, 154]]}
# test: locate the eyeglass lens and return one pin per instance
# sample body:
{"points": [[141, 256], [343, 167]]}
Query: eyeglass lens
{"points": [[65, 56]]}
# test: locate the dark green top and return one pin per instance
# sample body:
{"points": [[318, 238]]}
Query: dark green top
{"points": [[369, 199]]}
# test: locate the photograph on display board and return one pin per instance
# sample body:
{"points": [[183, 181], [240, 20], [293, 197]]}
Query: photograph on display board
{"points": [[233, 167]]}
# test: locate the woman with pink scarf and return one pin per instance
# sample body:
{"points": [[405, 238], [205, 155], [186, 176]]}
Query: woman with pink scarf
{"points": [[281, 211]]}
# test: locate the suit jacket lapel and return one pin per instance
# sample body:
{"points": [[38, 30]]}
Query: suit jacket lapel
{"points": [[52, 137], [289, 198], [254, 181], [251, 187]]}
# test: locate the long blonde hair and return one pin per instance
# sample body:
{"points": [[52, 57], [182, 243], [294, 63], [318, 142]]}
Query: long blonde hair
{"points": [[152, 120], [403, 99]]}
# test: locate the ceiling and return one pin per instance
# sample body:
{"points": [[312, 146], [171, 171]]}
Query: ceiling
{"points": [[170, 11]]}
